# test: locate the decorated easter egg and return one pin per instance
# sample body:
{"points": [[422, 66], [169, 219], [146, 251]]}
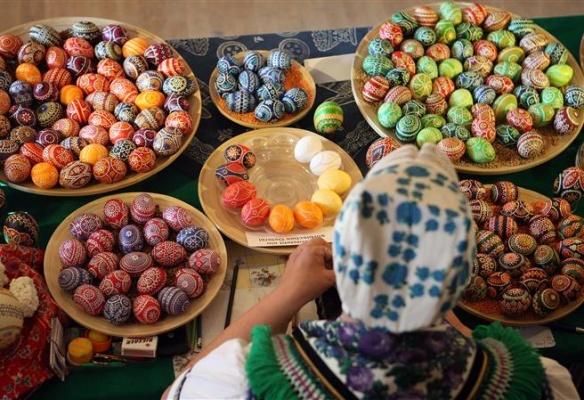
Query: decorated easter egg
{"points": [[179, 84], [408, 127], [192, 238], [146, 308], [116, 213], [177, 218], [255, 212], [144, 137], [118, 309], [568, 184], [279, 59], [155, 231], [574, 268], [205, 261], [566, 120], [325, 160], [248, 81], [271, 74], [102, 264], [295, 100], [151, 280], [574, 96], [534, 279], [100, 241], [45, 35], [72, 253], [122, 150], [308, 214], [379, 149], [504, 226], [530, 144], [136, 262], [380, 46], [89, 298], [225, 83], [392, 33], [497, 282], [173, 300], [72, 277], [571, 247], [168, 253], [241, 154], [453, 147], [484, 265], [167, 141], [476, 289], [566, 286], [375, 89], [84, 225], [240, 101], [17, 168], [546, 258], [151, 80], [504, 191], [473, 189], [328, 117], [237, 194], [21, 228], [415, 107], [518, 209], [545, 301], [388, 114], [142, 159], [489, 243], [109, 170], [542, 229], [480, 150], [481, 210], [281, 218], [115, 282], [130, 238], [269, 110], [515, 301], [571, 225], [143, 208], [190, 282], [230, 173]]}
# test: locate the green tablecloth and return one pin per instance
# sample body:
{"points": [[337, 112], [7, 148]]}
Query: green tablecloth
{"points": [[147, 381]]}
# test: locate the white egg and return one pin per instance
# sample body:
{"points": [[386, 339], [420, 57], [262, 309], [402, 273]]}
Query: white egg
{"points": [[306, 148], [324, 161]]}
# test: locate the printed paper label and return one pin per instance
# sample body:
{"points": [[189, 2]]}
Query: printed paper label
{"points": [[266, 239]]}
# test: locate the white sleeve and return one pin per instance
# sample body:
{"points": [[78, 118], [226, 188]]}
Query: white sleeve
{"points": [[219, 375], [560, 380]]}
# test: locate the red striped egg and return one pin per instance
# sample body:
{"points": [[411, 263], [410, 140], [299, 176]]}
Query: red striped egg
{"points": [[375, 89], [453, 147]]}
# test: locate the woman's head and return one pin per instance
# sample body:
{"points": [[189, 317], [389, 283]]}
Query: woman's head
{"points": [[403, 243]]}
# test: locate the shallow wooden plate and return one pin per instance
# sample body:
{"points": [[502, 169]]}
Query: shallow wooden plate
{"points": [[530, 318], [512, 162], [131, 178], [52, 268], [288, 119], [291, 181]]}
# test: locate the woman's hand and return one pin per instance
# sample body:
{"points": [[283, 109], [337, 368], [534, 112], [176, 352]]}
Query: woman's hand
{"points": [[308, 272]]}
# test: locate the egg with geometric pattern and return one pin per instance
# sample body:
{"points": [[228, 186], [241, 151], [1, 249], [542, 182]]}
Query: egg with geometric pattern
{"points": [[21, 228]]}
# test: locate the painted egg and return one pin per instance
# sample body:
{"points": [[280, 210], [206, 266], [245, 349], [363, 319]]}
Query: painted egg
{"points": [[534, 279], [108, 50], [453, 147], [177, 218], [271, 74], [489, 243], [484, 129], [328, 117], [136, 262], [570, 226], [115, 282], [120, 130], [237, 194], [150, 80], [22, 134], [67, 128], [116, 213], [325, 160], [143, 208], [109, 170], [484, 265], [84, 225], [504, 226], [571, 247], [17, 168], [21, 228], [279, 59], [308, 214], [179, 84], [180, 120], [240, 101], [114, 33], [86, 30], [481, 210], [225, 83], [156, 53], [134, 46], [72, 253], [128, 112], [281, 218], [574, 268], [155, 231], [497, 283], [79, 65], [146, 308], [375, 89], [173, 300], [566, 120], [504, 191], [484, 94], [568, 185], [45, 35], [377, 65], [388, 114], [248, 81], [192, 238], [9, 147], [475, 289], [407, 128], [546, 258], [100, 241], [142, 159], [530, 144], [57, 155], [9, 46], [151, 280], [574, 96], [515, 302], [122, 149], [130, 238], [71, 278], [89, 298], [519, 119], [92, 153], [512, 263], [124, 89], [190, 282], [517, 209], [144, 137], [102, 264], [255, 212], [21, 115], [118, 309], [167, 141], [75, 144], [556, 208], [522, 26], [31, 53], [392, 33], [172, 66], [46, 137], [414, 48], [168, 253], [379, 149], [229, 65], [92, 82], [473, 189], [566, 286], [68, 93], [275, 91], [269, 110], [545, 301], [230, 173], [241, 154], [542, 229]]}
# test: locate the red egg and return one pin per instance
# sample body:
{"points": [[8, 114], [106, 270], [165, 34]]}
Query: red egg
{"points": [[102, 264], [146, 309], [443, 85], [404, 60], [79, 110], [151, 280], [453, 147], [392, 33], [156, 231], [89, 298], [425, 16], [190, 282], [142, 159], [475, 14], [205, 261], [57, 155], [136, 262], [17, 168], [484, 128], [116, 213], [102, 118], [100, 241], [143, 208], [59, 76], [111, 69], [181, 120], [72, 253], [84, 225], [33, 152], [76, 46], [109, 170], [168, 253], [56, 57], [120, 130], [520, 119], [116, 282], [237, 194], [375, 89], [255, 212], [92, 82]]}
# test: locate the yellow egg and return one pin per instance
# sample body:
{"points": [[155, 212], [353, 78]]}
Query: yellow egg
{"points": [[336, 180], [329, 202], [93, 152], [281, 218], [149, 99]]}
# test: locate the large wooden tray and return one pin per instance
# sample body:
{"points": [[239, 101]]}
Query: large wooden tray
{"points": [[288, 119], [52, 268], [529, 196], [273, 148], [94, 187], [511, 164]]}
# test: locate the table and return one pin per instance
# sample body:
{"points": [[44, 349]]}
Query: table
{"points": [[148, 380]]}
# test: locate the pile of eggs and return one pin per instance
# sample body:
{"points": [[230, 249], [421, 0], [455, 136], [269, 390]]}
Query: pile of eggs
{"points": [[258, 84], [89, 105], [474, 81], [136, 262], [240, 195], [530, 255]]}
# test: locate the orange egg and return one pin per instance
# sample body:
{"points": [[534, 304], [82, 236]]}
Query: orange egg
{"points": [[149, 99], [45, 175], [308, 214], [69, 93], [134, 47], [28, 72], [5, 102], [93, 152], [124, 89], [67, 127], [281, 218]]}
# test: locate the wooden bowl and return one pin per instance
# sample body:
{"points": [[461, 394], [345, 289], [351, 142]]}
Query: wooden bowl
{"points": [[529, 318], [248, 119], [52, 266], [276, 163], [94, 187], [511, 162]]}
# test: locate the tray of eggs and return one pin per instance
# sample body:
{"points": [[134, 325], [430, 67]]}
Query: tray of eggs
{"points": [[260, 89], [529, 268], [275, 181], [89, 106], [135, 264], [496, 92]]}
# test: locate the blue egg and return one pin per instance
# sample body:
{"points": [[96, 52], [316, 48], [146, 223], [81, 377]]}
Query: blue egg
{"points": [[380, 46], [131, 239], [253, 61], [72, 277], [468, 80], [280, 59], [118, 309], [271, 90], [192, 238], [229, 65], [271, 74], [269, 110], [248, 81], [484, 94], [225, 83], [240, 101], [294, 100]]}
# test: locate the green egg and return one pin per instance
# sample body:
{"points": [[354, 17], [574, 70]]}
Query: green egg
{"points": [[502, 38], [432, 121], [328, 117], [511, 70], [480, 150], [513, 54], [461, 98], [427, 66], [459, 116], [450, 11], [377, 65], [388, 114], [552, 96], [502, 104], [445, 32], [542, 114], [407, 128], [428, 135], [450, 68], [560, 74]]}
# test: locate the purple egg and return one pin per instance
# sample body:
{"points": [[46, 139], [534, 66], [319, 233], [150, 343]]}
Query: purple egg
{"points": [[192, 238], [131, 239], [72, 277], [84, 225], [173, 300], [118, 309]]}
